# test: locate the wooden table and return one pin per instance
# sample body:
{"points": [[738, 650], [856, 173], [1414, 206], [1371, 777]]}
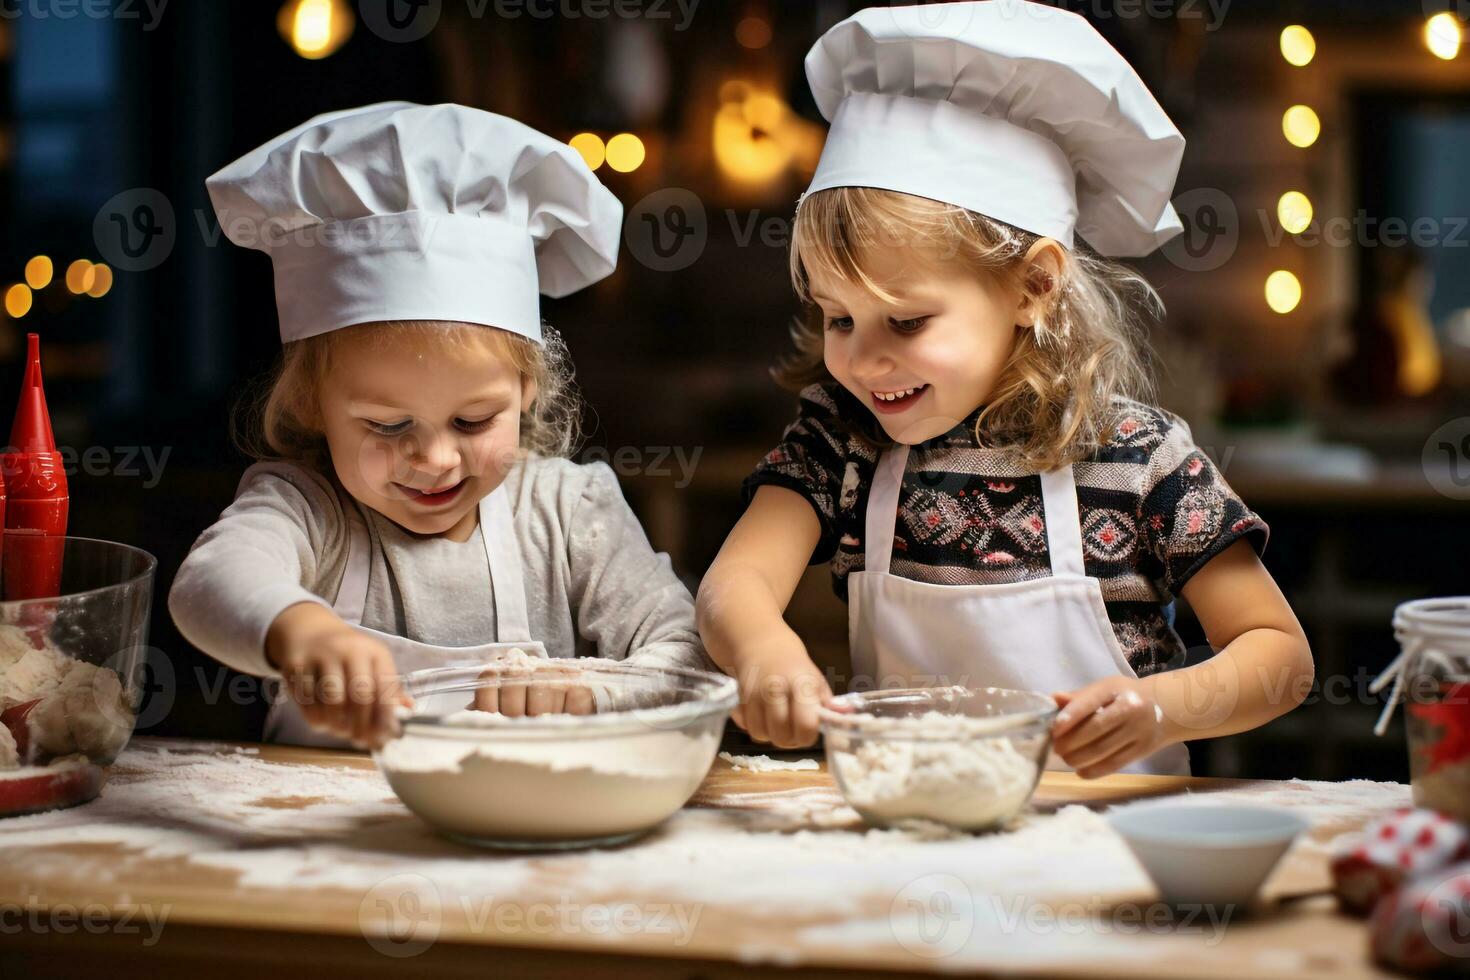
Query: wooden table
{"points": [[220, 928]]}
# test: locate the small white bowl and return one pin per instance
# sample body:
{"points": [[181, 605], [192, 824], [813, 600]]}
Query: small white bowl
{"points": [[1206, 855]]}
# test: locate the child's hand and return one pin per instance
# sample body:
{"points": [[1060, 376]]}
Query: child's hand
{"points": [[780, 691], [1106, 725], [516, 699], [344, 681]]}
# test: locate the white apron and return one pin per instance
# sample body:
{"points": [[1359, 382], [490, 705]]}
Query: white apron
{"points": [[285, 723], [1046, 635]]}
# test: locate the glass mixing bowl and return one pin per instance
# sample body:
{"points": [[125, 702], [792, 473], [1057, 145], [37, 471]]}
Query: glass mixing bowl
{"points": [[71, 664], [968, 758], [556, 779]]}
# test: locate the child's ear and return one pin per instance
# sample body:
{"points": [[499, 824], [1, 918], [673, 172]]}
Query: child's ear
{"points": [[528, 393], [1041, 276]]}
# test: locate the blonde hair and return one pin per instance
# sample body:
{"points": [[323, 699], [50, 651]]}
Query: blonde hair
{"points": [[1054, 399], [281, 418]]}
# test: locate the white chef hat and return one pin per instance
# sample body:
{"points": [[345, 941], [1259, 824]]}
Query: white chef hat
{"points": [[402, 211], [1018, 111]]}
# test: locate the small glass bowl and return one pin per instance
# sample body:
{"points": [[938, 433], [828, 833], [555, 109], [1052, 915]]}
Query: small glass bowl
{"points": [[555, 780], [967, 758]]}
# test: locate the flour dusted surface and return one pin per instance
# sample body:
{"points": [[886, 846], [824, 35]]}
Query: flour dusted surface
{"points": [[796, 860]]}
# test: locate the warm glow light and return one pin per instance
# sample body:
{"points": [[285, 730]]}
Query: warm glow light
{"points": [[1443, 35], [753, 32], [1301, 126], [80, 276], [315, 28], [1298, 46], [744, 153], [101, 280], [625, 153], [39, 272], [1283, 291], [18, 300], [763, 111], [1294, 210], [591, 147]]}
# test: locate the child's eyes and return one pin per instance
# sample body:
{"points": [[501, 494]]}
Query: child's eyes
{"points": [[477, 425], [399, 428], [387, 428], [911, 325]]}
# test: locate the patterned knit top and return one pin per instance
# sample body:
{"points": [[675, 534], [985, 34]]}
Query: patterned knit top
{"points": [[1154, 510]]}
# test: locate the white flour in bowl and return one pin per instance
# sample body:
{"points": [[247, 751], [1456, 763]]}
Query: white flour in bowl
{"points": [[972, 784], [548, 787]]}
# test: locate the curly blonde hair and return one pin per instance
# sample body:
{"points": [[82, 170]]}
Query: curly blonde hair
{"points": [[1055, 397], [280, 418]]}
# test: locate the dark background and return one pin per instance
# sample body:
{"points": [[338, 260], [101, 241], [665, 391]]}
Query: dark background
{"points": [[114, 101]]}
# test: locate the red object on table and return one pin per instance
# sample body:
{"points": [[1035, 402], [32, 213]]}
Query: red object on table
{"points": [[39, 788], [35, 480]]}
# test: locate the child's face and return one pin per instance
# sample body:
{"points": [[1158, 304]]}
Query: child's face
{"points": [[939, 349], [420, 432]]}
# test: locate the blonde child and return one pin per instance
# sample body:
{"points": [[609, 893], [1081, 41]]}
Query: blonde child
{"points": [[974, 456], [411, 507]]}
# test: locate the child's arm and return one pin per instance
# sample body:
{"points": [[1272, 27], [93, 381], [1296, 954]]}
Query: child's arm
{"points": [[1263, 669], [740, 607], [242, 597]]}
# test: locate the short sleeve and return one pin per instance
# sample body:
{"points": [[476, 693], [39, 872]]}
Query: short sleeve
{"points": [[812, 461], [1188, 513]]}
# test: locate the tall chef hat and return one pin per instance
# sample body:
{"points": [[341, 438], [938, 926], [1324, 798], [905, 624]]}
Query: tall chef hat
{"points": [[402, 211], [1018, 111]]}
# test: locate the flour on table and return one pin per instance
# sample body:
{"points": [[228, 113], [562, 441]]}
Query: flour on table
{"points": [[764, 763], [837, 883]]}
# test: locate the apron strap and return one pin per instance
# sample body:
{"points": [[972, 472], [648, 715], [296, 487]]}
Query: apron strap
{"points": [[507, 580], [1063, 521], [882, 512], [352, 592]]}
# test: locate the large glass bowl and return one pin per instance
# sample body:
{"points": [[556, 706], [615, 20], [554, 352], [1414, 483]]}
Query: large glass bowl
{"points": [[71, 660], [967, 758], [556, 779]]}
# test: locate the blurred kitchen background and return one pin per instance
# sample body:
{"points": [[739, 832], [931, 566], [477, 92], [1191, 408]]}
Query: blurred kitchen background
{"points": [[1318, 333]]}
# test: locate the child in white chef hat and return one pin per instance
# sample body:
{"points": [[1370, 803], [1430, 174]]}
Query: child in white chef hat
{"points": [[974, 455], [412, 507]]}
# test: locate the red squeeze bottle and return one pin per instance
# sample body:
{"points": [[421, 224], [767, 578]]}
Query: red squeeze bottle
{"points": [[35, 480]]}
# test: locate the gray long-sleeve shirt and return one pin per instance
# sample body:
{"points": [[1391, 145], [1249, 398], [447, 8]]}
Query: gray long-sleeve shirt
{"points": [[594, 584]]}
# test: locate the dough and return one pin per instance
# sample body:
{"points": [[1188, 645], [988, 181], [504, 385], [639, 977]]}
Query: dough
{"points": [[35, 674], [83, 708], [97, 712], [14, 644], [9, 756]]}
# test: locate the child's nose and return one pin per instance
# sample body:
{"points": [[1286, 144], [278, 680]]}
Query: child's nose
{"points": [[438, 451], [870, 358]]}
